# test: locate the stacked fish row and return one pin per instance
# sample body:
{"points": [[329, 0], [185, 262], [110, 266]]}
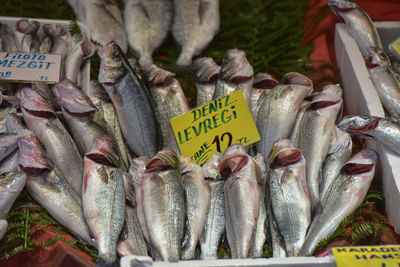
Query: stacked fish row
{"points": [[146, 24]]}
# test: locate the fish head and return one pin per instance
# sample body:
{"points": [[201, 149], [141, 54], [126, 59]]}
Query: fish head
{"points": [[341, 6], [32, 157], [340, 141], [165, 159], [26, 26], [8, 101], [360, 125], [137, 168], [295, 78], [158, 77], [329, 96], [55, 30], [283, 154], [205, 70], [13, 123], [211, 167], [363, 162], [232, 164], [72, 99], [104, 152], [264, 81], [235, 68], [88, 48], [376, 57], [112, 67], [34, 104]]}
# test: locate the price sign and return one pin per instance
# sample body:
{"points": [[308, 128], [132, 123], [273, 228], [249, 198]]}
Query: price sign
{"points": [[368, 256], [215, 126], [394, 47], [22, 67]]}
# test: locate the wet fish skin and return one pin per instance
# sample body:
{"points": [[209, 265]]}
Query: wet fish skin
{"points": [[384, 131], [194, 25], [75, 58], [164, 205], [44, 90], [263, 83], [3, 228], [314, 135], [346, 193], [358, 23], [8, 104], [50, 189], [205, 73], [147, 24], [8, 41], [11, 185], [8, 144], [289, 195], [26, 36], [197, 205], [242, 199], [300, 114], [9, 164], [103, 197], [131, 101], [339, 152], [43, 122]]}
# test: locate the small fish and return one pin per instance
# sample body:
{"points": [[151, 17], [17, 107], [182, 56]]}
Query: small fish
{"points": [[73, 62], [8, 144], [8, 104], [205, 74], [103, 198], [384, 131], [8, 41], [263, 83], [147, 24], [11, 185], [9, 164], [195, 24], [26, 36], [345, 194]]}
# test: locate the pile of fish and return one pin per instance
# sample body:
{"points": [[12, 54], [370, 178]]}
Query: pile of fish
{"points": [[146, 24]]}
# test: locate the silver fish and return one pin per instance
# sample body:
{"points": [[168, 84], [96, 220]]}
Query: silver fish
{"points": [[346, 193], [8, 104], [45, 91], [358, 23], [339, 152], [242, 199], [147, 24], [78, 113], [46, 45], [300, 114], [9, 164], [8, 144], [26, 36], [164, 205], [59, 36], [103, 197], [195, 24], [314, 134], [103, 19], [277, 113], [11, 185], [205, 74], [384, 79], [384, 131], [42, 120], [3, 228], [236, 73], [197, 204], [50, 189], [263, 83], [8, 42], [169, 101], [73, 62], [289, 195], [131, 101]]}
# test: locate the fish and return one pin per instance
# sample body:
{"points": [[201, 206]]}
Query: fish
{"points": [[163, 200], [8, 144], [263, 83], [26, 36], [147, 24], [60, 38], [137, 169], [339, 152], [346, 193], [11, 185], [45, 45], [314, 135], [195, 24], [215, 222], [197, 205], [78, 113], [242, 199], [385, 131], [50, 189], [131, 101], [106, 111], [103, 198], [384, 79], [73, 62], [7, 88], [103, 19], [358, 23], [45, 92], [169, 102], [42, 120], [8, 104], [236, 73], [277, 113], [300, 114], [288, 190], [8, 41], [3, 228], [9, 164], [205, 74]]}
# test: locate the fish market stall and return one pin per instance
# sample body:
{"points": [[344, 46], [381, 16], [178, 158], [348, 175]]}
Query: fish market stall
{"points": [[197, 133]]}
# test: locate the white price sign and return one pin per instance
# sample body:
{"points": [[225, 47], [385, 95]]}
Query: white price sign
{"points": [[22, 67]]}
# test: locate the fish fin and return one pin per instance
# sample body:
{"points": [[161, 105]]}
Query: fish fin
{"points": [[103, 263]]}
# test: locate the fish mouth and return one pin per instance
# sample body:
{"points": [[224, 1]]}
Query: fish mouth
{"points": [[34, 172], [104, 152], [232, 165], [295, 78], [168, 81], [265, 84], [213, 78], [369, 64], [157, 165], [36, 105], [356, 168], [100, 159], [88, 48], [322, 104], [286, 158], [365, 128], [240, 79], [27, 26]]}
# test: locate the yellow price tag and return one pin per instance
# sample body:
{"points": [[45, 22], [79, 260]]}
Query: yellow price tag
{"points": [[377, 256], [215, 126], [395, 46]]}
